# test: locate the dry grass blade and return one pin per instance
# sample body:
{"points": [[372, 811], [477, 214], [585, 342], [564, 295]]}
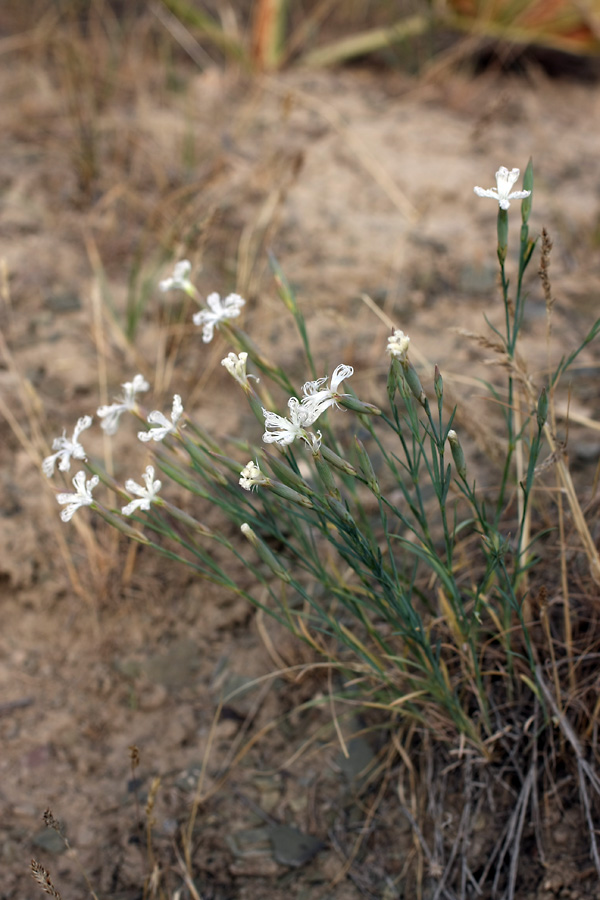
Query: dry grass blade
{"points": [[372, 809], [560, 25], [461, 839], [367, 42], [268, 28]]}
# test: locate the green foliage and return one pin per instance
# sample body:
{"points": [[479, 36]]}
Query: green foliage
{"points": [[359, 545]]}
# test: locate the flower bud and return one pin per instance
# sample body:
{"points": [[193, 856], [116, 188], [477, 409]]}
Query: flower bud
{"points": [[414, 383], [200, 457], [190, 521], [326, 475], [266, 554], [542, 409], [338, 462], [287, 474], [457, 454], [350, 402], [288, 493], [367, 467], [133, 533], [438, 383], [527, 186], [337, 507]]}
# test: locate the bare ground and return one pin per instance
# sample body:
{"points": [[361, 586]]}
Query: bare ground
{"points": [[362, 184]]}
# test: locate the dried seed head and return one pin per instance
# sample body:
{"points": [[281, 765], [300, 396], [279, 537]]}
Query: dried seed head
{"points": [[42, 876], [134, 756], [51, 822], [543, 269], [152, 797]]}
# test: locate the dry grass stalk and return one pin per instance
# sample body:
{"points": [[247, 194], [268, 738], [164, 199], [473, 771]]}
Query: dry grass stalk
{"points": [[50, 821], [267, 32], [586, 775], [153, 880], [482, 339]]}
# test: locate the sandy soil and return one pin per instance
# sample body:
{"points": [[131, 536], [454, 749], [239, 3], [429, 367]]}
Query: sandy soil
{"points": [[362, 184]]}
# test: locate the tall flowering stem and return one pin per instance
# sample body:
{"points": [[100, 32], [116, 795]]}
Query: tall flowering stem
{"points": [[513, 309]]}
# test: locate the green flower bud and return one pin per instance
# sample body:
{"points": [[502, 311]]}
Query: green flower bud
{"points": [[200, 457], [267, 556], [542, 409], [394, 379], [288, 493], [527, 186], [120, 525], [367, 467], [341, 512], [438, 383], [414, 382], [188, 520], [287, 474], [349, 402], [338, 462], [457, 455], [326, 475]]}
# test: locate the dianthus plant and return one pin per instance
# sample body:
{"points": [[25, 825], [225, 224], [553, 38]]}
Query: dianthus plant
{"points": [[378, 550]]}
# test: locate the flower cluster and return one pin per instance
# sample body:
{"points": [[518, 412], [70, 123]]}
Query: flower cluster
{"points": [[305, 412], [283, 431], [398, 344], [316, 398]]}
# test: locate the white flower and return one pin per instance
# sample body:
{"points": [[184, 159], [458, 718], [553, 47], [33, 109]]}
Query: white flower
{"points": [[398, 345], [218, 311], [81, 497], [236, 366], [285, 431], [179, 278], [251, 476], [164, 426], [504, 182], [145, 494], [316, 401], [111, 414], [67, 449]]}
